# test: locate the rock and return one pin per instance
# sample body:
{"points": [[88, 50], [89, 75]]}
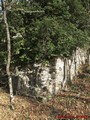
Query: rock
{"points": [[44, 81]]}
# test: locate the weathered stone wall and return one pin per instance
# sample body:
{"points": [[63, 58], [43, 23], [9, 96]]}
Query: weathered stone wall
{"points": [[43, 81]]}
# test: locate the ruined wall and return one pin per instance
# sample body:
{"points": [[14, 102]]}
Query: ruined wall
{"points": [[43, 81]]}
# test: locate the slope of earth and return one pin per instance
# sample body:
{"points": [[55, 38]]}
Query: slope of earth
{"points": [[75, 102]]}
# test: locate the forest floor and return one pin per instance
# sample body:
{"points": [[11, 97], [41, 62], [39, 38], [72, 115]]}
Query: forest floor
{"points": [[75, 102]]}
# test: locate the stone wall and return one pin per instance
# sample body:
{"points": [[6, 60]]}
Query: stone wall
{"points": [[42, 82]]}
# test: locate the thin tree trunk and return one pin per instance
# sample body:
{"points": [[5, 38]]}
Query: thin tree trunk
{"points": [[8, 55], [88, 57], [75, 62], [64, 83]]}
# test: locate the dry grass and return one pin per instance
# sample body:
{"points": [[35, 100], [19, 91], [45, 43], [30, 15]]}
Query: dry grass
{"points": [[64, 103]]}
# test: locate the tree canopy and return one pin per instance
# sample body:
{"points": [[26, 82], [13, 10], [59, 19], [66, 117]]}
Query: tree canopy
{"points": [[38, 36]]}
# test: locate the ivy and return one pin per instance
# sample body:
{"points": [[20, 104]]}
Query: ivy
{"points": [[58, 31]]}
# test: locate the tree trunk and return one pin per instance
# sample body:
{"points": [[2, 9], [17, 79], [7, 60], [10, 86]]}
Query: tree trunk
{"points": [[75, 62], [8, 54], [88, 57], [64, 83]]}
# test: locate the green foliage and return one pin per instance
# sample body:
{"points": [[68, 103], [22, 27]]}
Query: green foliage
{"points": [[58, 31], [2, 44]]}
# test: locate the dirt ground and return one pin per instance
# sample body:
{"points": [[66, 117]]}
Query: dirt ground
{"points": [[75, 102]]}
